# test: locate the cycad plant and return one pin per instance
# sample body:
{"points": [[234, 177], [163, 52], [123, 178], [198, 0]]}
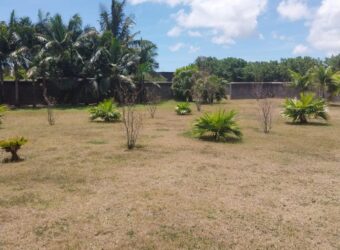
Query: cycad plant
{"points": [[106, 111], [12, 146], [305, 108], [219, 125], [183, 108]]}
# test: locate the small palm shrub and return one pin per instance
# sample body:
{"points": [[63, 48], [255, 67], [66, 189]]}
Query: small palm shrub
{"points": [[106, 111], [12, 146], [307, 107], [218, 125], [3, 109], [183, 108]]}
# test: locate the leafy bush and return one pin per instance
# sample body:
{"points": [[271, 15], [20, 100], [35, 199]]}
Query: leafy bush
{"points": [[106, 111], [3, 109], [218, 125], [307, 107], [183, 108], [12, 145]]}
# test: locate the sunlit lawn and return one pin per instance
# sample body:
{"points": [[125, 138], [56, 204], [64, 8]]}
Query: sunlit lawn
{"points": [[79, 188]]}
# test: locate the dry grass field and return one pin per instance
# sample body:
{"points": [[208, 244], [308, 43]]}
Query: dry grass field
{"points": [[79, 188]]}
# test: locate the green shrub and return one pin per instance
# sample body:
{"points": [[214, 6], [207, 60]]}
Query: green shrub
{"points": [[12, 146], [3, 109], [307, 107], [106, 111], [183, 108], [218, 125]]}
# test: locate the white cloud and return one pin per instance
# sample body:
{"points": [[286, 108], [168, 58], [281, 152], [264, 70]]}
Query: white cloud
{"points": [[194, 33], [228, 20], [176, 47], [261, 36], [174, 32], [294, 10], [280, 37], [300, 49], [194, 49], [179, 46], [324, 31]]}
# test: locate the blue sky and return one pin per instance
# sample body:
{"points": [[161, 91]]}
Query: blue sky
{"points": [[249, 29]]}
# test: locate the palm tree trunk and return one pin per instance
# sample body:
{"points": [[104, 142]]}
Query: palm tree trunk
{"points": [[15, 156], [323, 91], [47, 100], [34, 94], [16, 86], [303, 119], [2, 85]]}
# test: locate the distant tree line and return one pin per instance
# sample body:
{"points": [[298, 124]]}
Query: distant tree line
{"points": [[239, 70], [207, 78], [64, 52]]}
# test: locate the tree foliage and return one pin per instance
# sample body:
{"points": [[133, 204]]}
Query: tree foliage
{"points": [[327, 79], [54, 49], [238, 70], [183, 81]]}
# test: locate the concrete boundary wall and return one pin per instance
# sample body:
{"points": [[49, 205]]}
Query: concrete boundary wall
{"points": [[250, 90], [30, 93]]}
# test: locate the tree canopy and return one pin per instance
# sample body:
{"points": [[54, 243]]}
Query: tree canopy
{"points": [[58, 49]]}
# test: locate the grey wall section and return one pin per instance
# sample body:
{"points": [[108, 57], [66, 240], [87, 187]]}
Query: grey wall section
{"points": [[161, 89], [30, 93], [247, 90]]}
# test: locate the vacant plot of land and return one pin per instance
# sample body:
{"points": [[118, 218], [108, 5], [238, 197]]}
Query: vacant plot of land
{"points": [[80, 188]]}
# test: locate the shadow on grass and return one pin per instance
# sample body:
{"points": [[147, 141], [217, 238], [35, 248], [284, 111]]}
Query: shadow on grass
{"points": [[336, 105], [57, 107], [97, 142], [207, 138], [8, 161], [104, 122], [321, 124]]}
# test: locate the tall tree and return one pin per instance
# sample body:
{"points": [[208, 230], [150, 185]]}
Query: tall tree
{"points": [[18, 53], [301, 82], [4, 53], [327, 79], [117, 22]]}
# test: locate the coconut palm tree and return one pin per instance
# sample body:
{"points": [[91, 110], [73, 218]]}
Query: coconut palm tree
{"points": [[4, 52], [60, 43], [117, 22], [328, 80], [114, 64], [17, 56]]}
